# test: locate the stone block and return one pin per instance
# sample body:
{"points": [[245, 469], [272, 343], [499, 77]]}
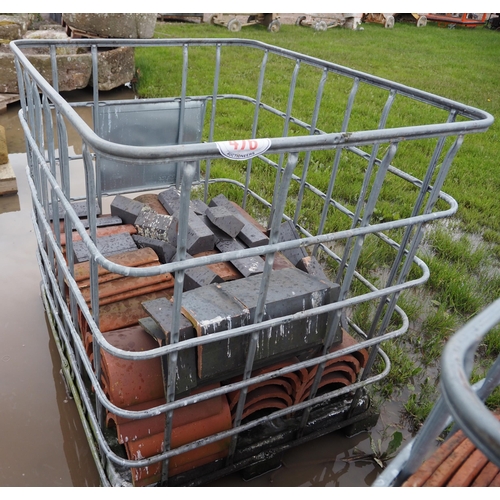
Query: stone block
{"points": [[80, 208], [310, 265], [151, 200], [198, 276], [288, 232], [113, 25], [199, 207], [232, 304], [247, 266], [225, 220], [199, 238], [104, 221], [157, 226], [163, 249], [250, 235], [10, 30], [170, 199], [8, 182], [107, 245], [211, 310], [125, 208], [160, 313], [4, 153], [116, 67]]}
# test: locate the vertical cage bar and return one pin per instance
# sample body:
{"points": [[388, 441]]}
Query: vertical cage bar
{"points": [[279, 204], [312, 130], [188, 174], [255, 122], [212, 117]]}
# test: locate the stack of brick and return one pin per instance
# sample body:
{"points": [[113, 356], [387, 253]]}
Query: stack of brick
{"points": [[135, 314]]}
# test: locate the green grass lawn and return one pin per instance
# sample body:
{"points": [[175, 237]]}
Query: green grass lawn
{"points": [[459, 64]]}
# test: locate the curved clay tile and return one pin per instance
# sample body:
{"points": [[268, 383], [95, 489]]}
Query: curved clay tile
{"points": [[486, 476], [470, 469], [132, 382], [456, 462], [271, 403]]}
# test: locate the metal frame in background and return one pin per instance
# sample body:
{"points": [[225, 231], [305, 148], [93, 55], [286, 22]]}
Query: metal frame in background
{"points": [[291, 160], [460, 403]]}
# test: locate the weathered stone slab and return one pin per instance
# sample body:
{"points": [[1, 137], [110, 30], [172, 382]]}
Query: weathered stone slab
{"points": [[156, 226], [113, 25], [8, 182], [288, 232], [225, 220], [125, 208], [249, 234], [10, 30], [4, 153], [107, 245], [163, 249], [52, 35], [116, 67]]}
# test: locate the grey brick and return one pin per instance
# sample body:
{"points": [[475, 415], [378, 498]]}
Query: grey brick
{"points": [[250, 235], [289, 233], [107, 245], [156, 226], [225, 220], [163, 249], [125, 208]]}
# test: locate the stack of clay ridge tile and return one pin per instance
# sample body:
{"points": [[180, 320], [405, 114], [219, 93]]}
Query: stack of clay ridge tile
{"points": [[135, 315], [457, 462]]}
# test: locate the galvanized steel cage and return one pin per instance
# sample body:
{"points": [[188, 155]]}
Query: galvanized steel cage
{"points": [[353, 130], [460, 404]]}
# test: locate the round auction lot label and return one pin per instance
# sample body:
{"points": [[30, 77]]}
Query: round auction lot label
{"points": [[244, 149]]}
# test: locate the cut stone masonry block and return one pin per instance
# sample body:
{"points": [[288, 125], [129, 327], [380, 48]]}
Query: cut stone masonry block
{"points": [[163, 249], [225, 220], [199, 238], [198, 276], [288, 232], [156, 226], [250, 235], [125, 208], [107, 245]]}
